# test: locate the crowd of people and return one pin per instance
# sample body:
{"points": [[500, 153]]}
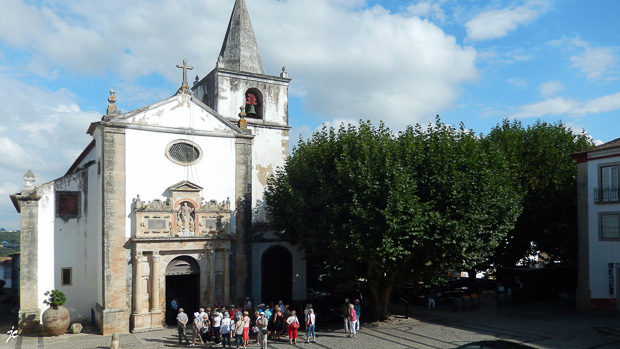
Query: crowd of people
{"points": [[243, 325]]}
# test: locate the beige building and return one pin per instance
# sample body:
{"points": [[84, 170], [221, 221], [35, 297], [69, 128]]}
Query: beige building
{"points": [[167, 202]]}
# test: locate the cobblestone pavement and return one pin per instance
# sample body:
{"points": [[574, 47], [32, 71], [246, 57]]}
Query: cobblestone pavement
{"points": [[541, 325]]}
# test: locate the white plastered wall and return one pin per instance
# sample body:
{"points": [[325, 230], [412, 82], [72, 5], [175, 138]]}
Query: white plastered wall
{"points": [[149, 172], [268, 154], [601, 252], [45, 253]]}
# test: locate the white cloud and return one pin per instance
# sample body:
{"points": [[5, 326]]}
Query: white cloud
{"points": [[595, 63], [348, 69], [504, 57], [518, 82], [337, 123], [6, 206], [497, 23], [13, 155], [337, 55], [600, 105], [570, 107], [550, 88], [42, 130], [429, 9]]}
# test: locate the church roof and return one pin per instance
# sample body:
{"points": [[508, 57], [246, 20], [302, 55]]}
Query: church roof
{"points": [[239, 50], [160, 114]]}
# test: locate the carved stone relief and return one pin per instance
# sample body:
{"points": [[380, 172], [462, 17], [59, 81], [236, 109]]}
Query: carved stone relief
{"points": [[182, 214]]}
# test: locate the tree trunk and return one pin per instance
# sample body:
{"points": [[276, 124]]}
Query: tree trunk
{"points": [[379, 301]]}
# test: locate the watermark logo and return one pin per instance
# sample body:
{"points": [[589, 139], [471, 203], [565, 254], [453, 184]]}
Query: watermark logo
{"points": [[12, 334]]}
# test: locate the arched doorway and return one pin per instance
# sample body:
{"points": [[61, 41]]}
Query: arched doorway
{"points": [[276, 274], [182, 283]]}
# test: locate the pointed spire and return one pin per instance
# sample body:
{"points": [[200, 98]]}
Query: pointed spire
{"points": [[239, 50]]}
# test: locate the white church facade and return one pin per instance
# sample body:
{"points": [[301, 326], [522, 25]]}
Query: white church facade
{"points": [[167, 202]]}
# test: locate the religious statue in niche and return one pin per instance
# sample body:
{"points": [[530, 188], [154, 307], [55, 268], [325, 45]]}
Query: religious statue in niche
{"points": [[185, 218]]}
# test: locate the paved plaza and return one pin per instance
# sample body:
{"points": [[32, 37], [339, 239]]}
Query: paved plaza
{"points": [[541, 325]]}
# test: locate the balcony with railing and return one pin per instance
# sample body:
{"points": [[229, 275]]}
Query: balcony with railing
{"points": [[605, 195]]}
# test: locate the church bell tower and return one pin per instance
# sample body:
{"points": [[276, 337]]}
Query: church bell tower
{"points": [[239, 90], [239, 79]]}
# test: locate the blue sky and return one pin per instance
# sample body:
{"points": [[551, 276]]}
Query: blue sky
{"points": [[401, 62]]}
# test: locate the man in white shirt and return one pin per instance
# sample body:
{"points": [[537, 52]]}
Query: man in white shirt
{"points": [[262, 323]]}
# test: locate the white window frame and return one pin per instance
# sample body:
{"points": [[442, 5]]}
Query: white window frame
{"points": [[608, 182], [607, 232]]}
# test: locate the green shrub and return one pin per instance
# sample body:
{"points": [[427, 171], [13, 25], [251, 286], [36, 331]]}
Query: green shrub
{"points": [[55, 298]]}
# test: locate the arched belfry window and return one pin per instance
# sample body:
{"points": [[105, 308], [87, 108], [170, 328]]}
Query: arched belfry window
{"points": [[253, 103]]}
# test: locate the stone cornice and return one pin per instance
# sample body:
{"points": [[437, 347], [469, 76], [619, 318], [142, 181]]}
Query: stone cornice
{"points": [[176, 130], [227, 237], [252, 76]]}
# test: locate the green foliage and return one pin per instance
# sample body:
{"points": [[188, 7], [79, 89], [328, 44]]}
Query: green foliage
{"points": [[5, 252], [392, 209], [541, 162], [55, 298], [12, 237]]}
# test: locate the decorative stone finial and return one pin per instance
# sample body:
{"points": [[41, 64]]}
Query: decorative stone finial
{"points": [[243, 124], [29, 178], [184, 85], [284, 73], [112, 107], [139, 203]]}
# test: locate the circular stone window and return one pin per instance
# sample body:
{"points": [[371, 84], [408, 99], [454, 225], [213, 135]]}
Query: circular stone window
{"points": [[183, 152]]}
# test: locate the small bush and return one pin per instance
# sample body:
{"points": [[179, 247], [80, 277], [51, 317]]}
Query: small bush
{"points": [[55, 298]]}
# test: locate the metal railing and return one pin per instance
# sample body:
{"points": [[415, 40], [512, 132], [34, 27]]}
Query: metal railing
{"points": [[606, 195]]}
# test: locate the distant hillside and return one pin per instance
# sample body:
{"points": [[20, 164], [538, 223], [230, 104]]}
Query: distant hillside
{"points": [[11, 237]]}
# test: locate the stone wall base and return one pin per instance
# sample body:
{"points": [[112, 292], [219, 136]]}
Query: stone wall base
{"points": [[110, 321], [29, 320], [144, 322]]}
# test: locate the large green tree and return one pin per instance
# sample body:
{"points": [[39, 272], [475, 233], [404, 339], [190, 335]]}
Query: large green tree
{"points": [[392, 209], [541, 162]]}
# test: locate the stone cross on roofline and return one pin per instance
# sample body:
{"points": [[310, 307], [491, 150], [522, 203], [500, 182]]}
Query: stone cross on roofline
{"points": [[185, 67]]}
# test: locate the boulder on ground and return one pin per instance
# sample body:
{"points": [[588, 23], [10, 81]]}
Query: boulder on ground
{"points": [[76, 328]]}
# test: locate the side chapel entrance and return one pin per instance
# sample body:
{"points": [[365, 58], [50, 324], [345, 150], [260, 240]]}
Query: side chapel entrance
{"points": [[277, 275], [182, 283]]}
